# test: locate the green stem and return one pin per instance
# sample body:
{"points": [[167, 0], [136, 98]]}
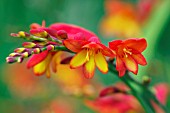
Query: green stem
{"points": [[152, 31], [140, 91]]}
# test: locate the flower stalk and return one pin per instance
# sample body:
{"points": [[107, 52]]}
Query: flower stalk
{"points": [[139, 90]]}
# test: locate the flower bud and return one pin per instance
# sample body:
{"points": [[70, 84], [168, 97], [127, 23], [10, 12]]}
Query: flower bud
{"points": [[10, 59], [21, 34], [20, 50], [29, 44], [25, 54], [20, 59], [62, 34], [39, 32], [146, 80], [50, 47], [14, 54], [36, 50]]}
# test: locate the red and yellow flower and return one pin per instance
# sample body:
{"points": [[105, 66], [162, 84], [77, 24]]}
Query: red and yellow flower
{"points": [[79, 40], [128, 54], [90, 53]]}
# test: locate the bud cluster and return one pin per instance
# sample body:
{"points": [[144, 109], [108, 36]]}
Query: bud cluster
{"points": [[40, 41]]}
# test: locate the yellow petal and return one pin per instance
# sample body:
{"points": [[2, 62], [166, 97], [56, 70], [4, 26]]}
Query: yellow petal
{"points": [[79, 59], [41, 67], [89, 67], [131, 64], [56, 60], [101, 62]]}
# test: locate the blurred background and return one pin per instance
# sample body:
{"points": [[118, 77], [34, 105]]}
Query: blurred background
{"points": [[23, 92]]}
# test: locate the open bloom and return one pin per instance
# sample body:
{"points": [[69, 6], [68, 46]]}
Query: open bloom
{"points": [[128, 54], [90, 53]]}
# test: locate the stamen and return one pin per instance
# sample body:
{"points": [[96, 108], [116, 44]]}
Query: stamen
{"points": [[126, 52]]}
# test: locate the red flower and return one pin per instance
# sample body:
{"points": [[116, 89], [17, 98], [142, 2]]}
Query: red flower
{"points": [[112, 101], [89, 53], [128, 54]]}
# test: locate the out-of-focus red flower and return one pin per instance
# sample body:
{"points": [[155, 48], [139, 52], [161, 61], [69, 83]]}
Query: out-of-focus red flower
{"points": [[112, 101], [118, 102], [144, 9], [161, 92], [89, 53], [58, 106], [128, 54]]}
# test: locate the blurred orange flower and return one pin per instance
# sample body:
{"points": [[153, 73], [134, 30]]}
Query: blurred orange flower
{"points": [[124, 19]]}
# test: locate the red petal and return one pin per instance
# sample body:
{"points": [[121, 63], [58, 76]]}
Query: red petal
{"points": [[136, 44], [122, 72], [119, 63], [107, 51], [113, 44], [74, 45], [35, 59], [140, 59], [72, 29], [120, 66]]}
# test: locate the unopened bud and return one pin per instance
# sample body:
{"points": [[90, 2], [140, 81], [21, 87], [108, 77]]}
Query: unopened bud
{"points": [[62, 34], [20, 59], [14, 35], [37, 50], [19, 50], [10, 59], [29, 44], [146, 80], [50, 47], [39, 32], [25, 54], [21, 34], [14, 54]]}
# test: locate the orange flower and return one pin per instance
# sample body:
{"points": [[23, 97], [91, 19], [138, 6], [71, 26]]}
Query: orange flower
{"points": [[89, 53], [128, 54], [120, 20]]}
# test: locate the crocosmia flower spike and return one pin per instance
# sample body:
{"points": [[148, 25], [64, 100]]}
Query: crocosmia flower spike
{"points": [[90, 53], [128, 54]]}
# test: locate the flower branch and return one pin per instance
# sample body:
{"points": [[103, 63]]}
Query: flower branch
{"points": [[143, 93]]}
